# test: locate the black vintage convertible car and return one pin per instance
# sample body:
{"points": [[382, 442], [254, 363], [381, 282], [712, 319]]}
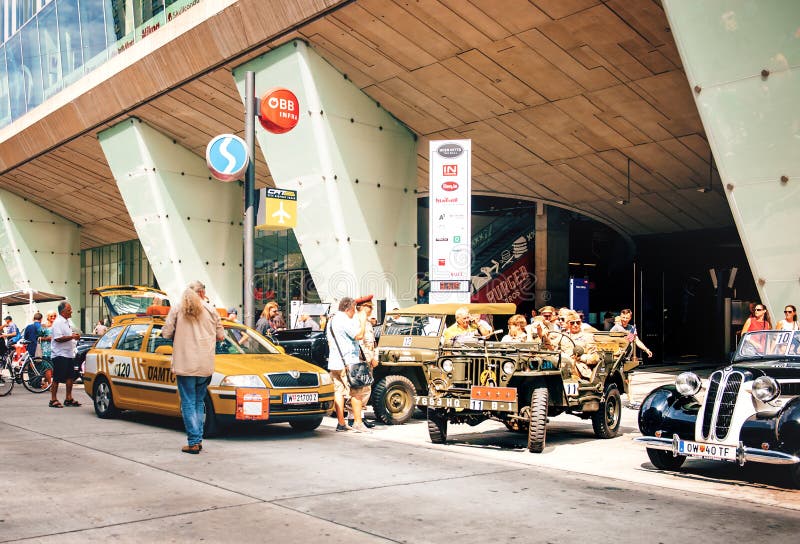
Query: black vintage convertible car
{"points": [[748, 412]]}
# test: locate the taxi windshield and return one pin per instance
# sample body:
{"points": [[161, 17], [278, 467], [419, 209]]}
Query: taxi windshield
{"points": [[768, 344], [412, 325], [243, 341]]}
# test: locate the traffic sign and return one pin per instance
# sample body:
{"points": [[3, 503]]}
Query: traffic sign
{"points": [[279, 111], [227, 157]]}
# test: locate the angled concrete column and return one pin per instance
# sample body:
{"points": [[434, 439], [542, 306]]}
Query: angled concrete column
{"points": [[354, 168], [40, 250], [551, 255], [189, 225], [741, 61]]}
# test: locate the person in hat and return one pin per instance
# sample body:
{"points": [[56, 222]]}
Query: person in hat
{"points": [[233, 314], [360, 397]]}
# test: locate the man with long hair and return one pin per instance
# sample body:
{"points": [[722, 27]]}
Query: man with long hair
{"points": [[195, 327]]}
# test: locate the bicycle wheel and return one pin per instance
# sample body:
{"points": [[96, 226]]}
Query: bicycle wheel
{"points": [[34, 376], [6, 379]]}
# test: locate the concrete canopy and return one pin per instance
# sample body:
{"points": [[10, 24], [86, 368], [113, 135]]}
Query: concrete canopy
{"points": [[559, 97]]}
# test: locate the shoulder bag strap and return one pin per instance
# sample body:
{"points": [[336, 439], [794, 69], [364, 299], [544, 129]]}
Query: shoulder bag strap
{"points": [[335, 341]]}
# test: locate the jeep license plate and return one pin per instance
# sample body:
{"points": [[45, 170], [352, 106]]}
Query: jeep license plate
{"points": [[466, 404], [300, 398], [707, 451]]}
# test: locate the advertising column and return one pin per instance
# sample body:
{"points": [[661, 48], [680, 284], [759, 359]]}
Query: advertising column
{"points": [[450, 260]]}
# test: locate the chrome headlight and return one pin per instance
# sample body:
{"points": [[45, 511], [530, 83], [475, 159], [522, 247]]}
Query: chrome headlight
{"points": [[509, 367], [766, 389], [447, 365], [245, 380], [688, 384], [325, 379]]}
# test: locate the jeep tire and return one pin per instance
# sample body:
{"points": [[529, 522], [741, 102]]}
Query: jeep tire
{"points": [[607, 419], [537, 424], [437, 425], [393, 399]]}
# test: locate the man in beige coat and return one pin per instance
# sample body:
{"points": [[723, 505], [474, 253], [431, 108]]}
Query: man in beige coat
{"points": [[195, 327]]}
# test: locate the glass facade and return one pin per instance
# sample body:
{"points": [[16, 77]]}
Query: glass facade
{"points": [[50, 44], [116, 264]]}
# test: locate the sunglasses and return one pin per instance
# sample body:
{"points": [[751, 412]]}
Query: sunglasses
{"points": [[575, 322], [788, 311], [562, 318], [547, 315], [759, 309]]}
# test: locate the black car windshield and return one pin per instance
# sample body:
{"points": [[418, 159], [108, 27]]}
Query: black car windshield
{"points": [[768, 344], [412, 325], [244, 341]]}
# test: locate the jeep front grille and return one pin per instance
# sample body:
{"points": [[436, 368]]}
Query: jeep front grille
{"points": [[280, 380], [720, 403], [475, 371]]}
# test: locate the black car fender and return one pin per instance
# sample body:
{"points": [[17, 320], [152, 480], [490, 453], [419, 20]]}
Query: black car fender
{"points": [[664, 409], [788, 425]]}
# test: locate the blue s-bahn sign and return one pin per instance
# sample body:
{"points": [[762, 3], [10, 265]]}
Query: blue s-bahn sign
{"points": [[227, 157]]}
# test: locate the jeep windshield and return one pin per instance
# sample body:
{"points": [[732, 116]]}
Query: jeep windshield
{"points": [[768, 345], [412, 325]]}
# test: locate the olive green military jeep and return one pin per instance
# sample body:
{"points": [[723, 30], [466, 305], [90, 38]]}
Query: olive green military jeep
{"points": [[410, 338], [522, 385]]}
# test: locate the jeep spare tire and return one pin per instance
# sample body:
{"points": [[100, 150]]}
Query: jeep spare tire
{"points": [[537, 428], [393, 399]]}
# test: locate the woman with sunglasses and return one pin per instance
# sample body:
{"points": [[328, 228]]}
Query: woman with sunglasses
{"points": [[758, 321], [789, 321]]}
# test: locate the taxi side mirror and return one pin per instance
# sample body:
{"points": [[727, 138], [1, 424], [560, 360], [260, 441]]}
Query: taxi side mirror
{"points": [[164, 350]]}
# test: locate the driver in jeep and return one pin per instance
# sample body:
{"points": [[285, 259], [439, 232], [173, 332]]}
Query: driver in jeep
{"points": [[465, 328]]}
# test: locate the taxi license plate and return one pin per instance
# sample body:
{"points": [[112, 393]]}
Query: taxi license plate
{"points": [[707, 451], [300, 398]]}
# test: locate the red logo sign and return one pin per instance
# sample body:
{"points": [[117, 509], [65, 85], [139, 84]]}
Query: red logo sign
{"points": [[449, 185], [449, 169], [280, 110], [441, 262]]}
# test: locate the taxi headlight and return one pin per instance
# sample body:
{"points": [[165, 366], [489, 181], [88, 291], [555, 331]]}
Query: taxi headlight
{"points": [[509, 367], [766, 389], [688, 384], [244, 380], [447, 365], [325, 379]]}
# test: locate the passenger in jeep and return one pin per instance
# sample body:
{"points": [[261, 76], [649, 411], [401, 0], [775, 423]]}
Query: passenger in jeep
{"points": [[584, 354], [463, 330]]}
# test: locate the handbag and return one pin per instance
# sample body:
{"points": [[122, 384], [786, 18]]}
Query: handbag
{"points": [[358, 374], [38, 354]]}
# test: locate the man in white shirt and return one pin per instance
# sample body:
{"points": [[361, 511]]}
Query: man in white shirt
{"points": [[343, 333], [63, 356]]}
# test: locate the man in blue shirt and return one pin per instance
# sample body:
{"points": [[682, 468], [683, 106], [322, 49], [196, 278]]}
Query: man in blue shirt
{"points": [[10, 331], [32, 333]]}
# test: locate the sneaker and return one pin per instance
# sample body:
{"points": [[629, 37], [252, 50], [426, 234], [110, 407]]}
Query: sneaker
{"points": [[368, 424], [361, 428], [341, 428]]}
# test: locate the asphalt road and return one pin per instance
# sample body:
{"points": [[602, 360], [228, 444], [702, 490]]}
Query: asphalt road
{"points": [[71, 477]]}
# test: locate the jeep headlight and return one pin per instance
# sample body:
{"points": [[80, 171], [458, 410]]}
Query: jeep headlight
{"points": [[325, 379], [766, 389], [244, 380], [447, 365], [509, 367], [688, 384]]}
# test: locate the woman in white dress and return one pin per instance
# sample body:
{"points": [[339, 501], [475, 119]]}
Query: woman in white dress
{"points": [[789, 321]]}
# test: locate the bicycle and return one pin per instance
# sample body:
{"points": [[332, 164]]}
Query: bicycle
{"points": [[18, 366]]}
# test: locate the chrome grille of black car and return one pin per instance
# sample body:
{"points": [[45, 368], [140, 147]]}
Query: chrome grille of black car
{"points": [[726, 405], [284, 379], [723, 388], [789, 388], [711, 400]]}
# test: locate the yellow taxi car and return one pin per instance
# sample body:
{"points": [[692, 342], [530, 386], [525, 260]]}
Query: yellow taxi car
{"points": [[129, 369]]}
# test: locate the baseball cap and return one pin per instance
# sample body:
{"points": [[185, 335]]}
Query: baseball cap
{"points": [[233, 311], [9, 318]]}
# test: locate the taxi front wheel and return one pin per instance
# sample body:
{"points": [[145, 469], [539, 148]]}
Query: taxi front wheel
{"points": [[104, 399]]}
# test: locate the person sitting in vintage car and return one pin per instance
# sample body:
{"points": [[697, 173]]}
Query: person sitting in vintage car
{"points": [[516, 330], [581, 349], [463, 330]]}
